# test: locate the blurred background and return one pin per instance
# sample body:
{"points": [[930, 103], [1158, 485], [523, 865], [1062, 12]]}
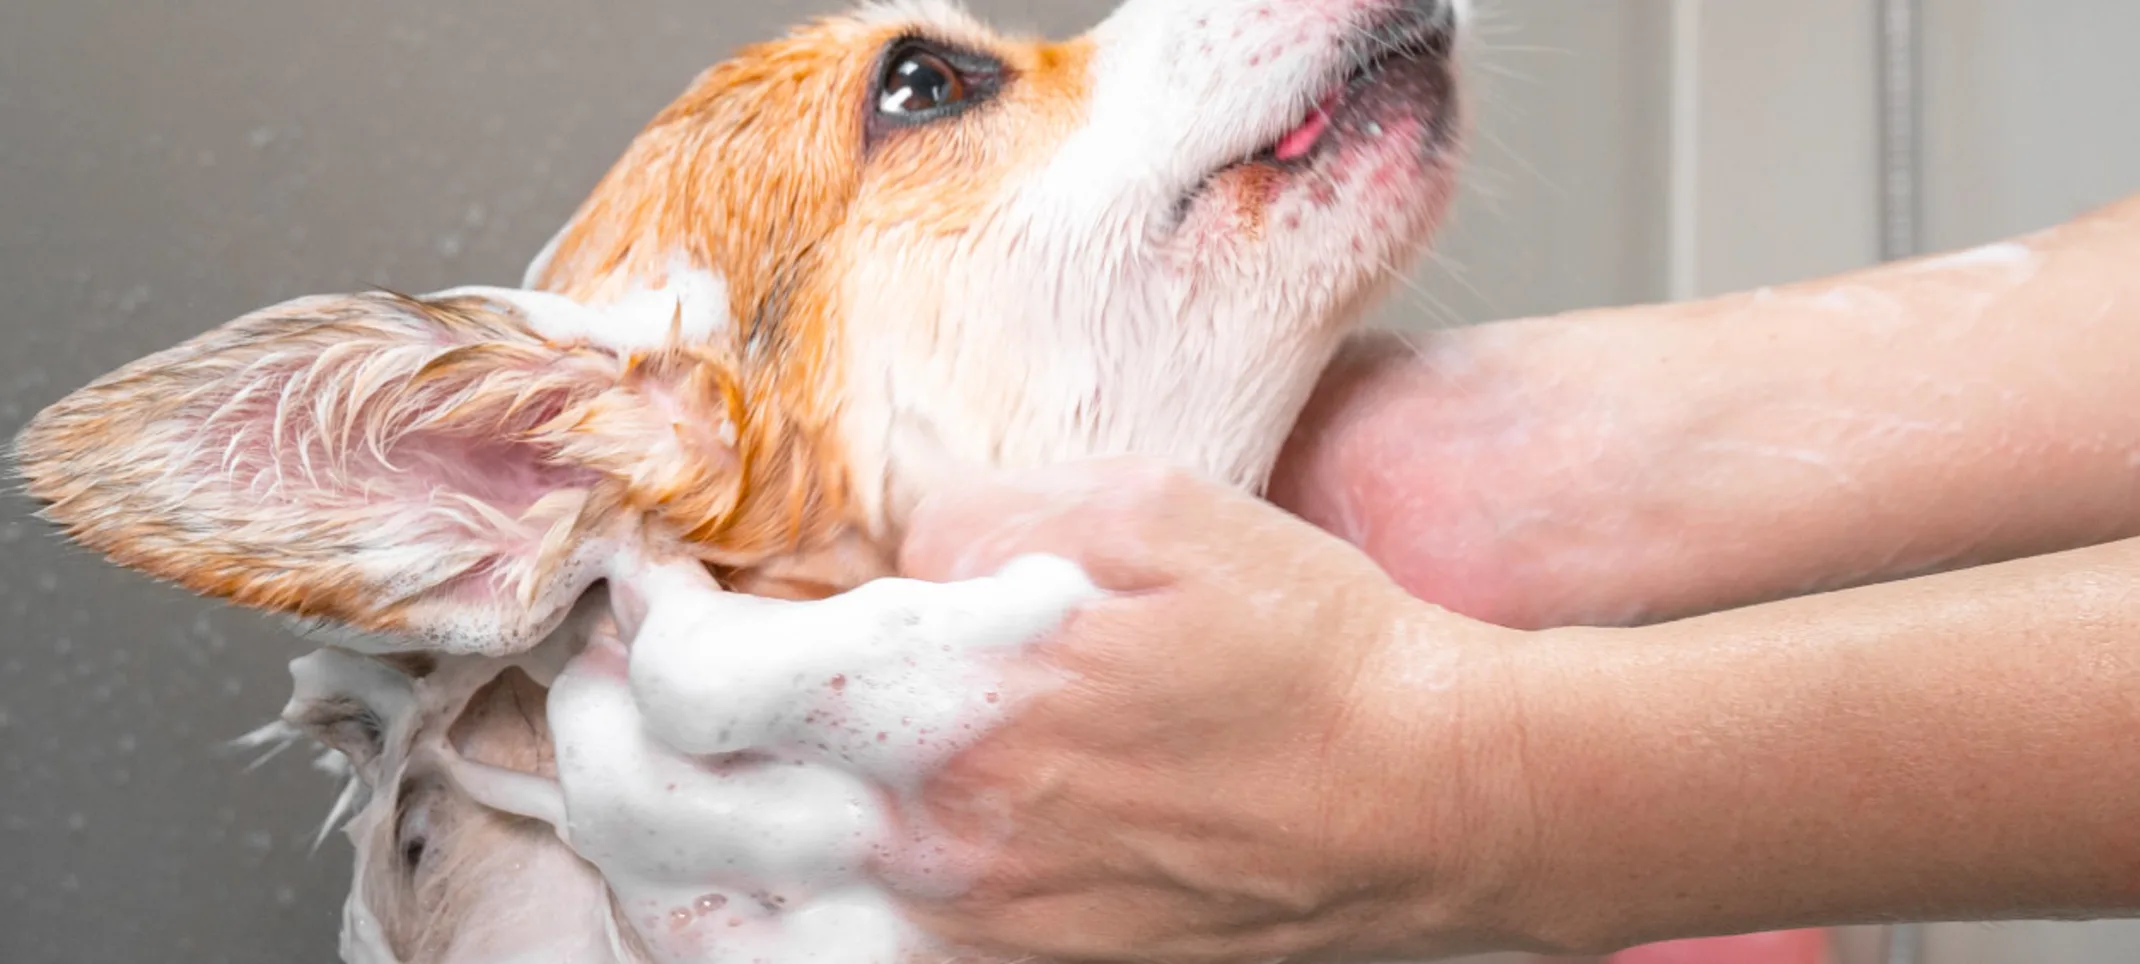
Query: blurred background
{"points": [[167, 167]]}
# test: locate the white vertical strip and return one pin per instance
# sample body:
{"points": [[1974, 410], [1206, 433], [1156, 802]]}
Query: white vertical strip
{"points": [[1901, 163], [1683, 270]]}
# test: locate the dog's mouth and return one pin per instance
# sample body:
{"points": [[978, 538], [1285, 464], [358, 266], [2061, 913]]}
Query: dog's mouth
{"points": [[1398, 68], [1391, 61]]}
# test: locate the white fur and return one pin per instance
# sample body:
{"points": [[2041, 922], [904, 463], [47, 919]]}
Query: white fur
{"points": [[693, 304], [532, 277], [552, 909], [1082, 319], [691, 307]]}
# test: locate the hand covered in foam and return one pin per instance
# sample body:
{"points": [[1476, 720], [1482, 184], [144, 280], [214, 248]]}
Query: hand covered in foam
{"points": [[1262, 747], [726, 769]]}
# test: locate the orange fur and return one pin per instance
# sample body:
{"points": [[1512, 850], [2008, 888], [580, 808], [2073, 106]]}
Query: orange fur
{"points": [[776, 230], [680, 193], [767, 504]]}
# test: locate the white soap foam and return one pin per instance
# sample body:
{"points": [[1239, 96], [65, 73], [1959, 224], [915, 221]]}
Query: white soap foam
{"points": [[2004, 254], [728, 774], [692, 306]]}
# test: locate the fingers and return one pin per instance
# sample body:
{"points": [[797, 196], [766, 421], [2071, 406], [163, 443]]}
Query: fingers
{"points": [[1111, 517], [1074, 511]]}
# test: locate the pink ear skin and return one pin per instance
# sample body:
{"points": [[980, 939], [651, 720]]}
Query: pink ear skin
{"points": [[426, 468]]}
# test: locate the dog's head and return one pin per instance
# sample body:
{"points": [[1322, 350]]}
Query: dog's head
{"points": [[964, 249], [890, 247]]}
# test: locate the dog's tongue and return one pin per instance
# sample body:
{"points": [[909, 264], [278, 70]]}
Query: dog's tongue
{"points": [[1297, 143]]}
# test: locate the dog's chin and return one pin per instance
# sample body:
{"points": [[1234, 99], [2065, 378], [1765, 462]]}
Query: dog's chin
{"points": [[1341, 204]]}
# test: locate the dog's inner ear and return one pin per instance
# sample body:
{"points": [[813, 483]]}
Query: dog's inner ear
{"points": [[426, 468]]}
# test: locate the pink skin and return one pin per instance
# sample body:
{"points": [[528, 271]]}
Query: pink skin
{"points": [[1783, 947], [1634, 465], [1399, 495]]}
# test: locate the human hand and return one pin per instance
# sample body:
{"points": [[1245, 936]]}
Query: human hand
{"points": [[1630, 465], [1276, 738], [1614, 467]]}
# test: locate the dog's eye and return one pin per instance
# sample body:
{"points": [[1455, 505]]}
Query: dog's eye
{"points": [[415, 826], [923, 82], [919, 82], [413, 847]]}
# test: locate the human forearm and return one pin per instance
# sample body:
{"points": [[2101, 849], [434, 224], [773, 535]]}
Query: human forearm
{"points": [[1257, 747], [1631, 464], [1957, 747]]}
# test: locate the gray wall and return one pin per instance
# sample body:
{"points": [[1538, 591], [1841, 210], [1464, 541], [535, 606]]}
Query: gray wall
{"points": [[2034, 113], [166, 167]]}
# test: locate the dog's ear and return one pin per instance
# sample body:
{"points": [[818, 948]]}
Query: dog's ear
{"points": [[427, 468]]}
